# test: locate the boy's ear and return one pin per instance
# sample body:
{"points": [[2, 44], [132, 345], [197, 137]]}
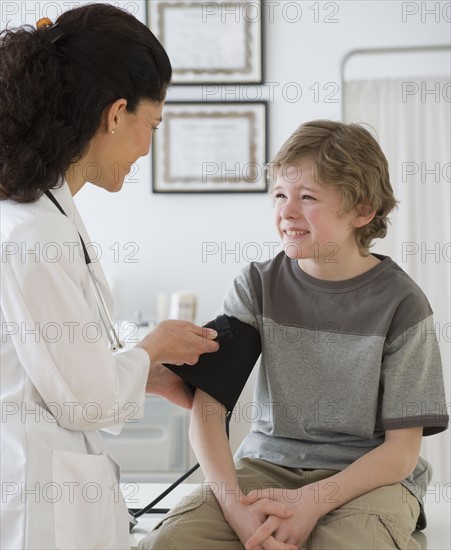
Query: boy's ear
{"points": [[364, 214]]}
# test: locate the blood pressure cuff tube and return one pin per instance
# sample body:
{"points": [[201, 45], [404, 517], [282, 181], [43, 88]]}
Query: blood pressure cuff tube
{"points": [[224, 373]]}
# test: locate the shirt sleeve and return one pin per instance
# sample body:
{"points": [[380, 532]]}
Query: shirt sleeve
{"points": [[241, 298], [412, 380], [51, 317]]}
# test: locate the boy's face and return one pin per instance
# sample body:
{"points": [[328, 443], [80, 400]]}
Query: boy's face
{"points": [[309, 216]]}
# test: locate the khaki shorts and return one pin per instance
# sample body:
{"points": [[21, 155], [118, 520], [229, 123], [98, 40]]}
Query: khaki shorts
{"points": [[381, 519]]}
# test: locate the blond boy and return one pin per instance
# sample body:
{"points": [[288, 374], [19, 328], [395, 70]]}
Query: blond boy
{"points": [[350, 377]]}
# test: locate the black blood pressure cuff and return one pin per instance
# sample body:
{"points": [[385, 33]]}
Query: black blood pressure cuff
{"points": [[224, 373]]}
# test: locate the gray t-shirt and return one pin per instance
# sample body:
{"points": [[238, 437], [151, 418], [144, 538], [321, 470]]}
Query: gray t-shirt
{"points": [[342, 362]]}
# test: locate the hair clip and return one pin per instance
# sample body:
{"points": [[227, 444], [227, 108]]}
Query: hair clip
{"points": [[46, 24]]}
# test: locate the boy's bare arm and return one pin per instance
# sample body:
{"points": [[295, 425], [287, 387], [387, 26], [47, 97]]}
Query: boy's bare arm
{"points": [[209, 442], [387, 464]]}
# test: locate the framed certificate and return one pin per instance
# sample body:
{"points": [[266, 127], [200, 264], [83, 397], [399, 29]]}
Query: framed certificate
{"points": [[210, 41], [211, 147]]}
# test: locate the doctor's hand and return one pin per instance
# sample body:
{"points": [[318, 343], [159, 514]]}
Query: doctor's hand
{"points": [[178, 342], [163, 382]]}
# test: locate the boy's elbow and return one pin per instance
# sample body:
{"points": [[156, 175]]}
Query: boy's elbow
{"points": [[405, 451], [401, 472], [408, 465]]}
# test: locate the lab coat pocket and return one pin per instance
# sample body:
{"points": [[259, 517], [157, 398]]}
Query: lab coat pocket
{"points": [[84, 513]]}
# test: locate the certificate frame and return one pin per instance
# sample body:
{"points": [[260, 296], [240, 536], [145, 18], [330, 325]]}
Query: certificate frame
{"points": [[222, 41], [211, 147]]}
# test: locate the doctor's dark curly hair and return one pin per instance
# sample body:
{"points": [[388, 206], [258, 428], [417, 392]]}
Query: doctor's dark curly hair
{"points": [[52, 95]]}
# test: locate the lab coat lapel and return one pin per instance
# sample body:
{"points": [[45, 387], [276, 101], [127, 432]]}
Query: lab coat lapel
{"points": [[66, 200]]}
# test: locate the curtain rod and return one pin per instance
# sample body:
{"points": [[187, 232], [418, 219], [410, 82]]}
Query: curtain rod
{"points": [[394, 49], [372, 51]]}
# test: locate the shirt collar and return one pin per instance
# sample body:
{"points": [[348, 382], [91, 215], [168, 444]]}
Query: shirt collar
{"points": [[64, 197]]}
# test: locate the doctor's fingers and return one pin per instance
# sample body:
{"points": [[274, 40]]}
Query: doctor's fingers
{"points": [[205, 332], [176, 342], [206, 337], [180, 327], [187, 341], [193, 351]]}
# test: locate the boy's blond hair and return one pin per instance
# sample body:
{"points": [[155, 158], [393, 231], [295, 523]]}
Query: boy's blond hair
{"points": [[348, 157]]}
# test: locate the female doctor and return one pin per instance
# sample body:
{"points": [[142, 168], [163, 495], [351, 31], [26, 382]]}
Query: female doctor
{"points": [[86, 91]]}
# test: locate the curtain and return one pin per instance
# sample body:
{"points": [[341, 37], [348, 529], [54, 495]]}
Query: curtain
{"points": [[411, 118]]}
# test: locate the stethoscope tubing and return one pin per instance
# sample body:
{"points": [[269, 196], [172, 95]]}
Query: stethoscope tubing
{"points": [[113, 337]]}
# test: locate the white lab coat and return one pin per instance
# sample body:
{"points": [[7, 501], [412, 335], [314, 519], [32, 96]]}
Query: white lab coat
{"points": [[59, 385]]}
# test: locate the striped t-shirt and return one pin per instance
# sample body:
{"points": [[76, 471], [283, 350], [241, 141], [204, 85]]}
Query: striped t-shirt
{"points": [[342, 362]]}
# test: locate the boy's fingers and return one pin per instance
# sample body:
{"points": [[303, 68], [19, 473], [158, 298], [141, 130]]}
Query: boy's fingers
{"points": [[253, 496], [278, 509], [263, 532], [272, 544]]}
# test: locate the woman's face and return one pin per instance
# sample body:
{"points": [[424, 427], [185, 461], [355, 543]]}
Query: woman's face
{"points": [[120, 142]]}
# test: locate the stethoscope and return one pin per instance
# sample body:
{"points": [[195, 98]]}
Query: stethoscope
{"points": [[113, 337]]}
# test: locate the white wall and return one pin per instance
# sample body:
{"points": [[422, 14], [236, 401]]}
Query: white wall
{"points": [[170, 229]]}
